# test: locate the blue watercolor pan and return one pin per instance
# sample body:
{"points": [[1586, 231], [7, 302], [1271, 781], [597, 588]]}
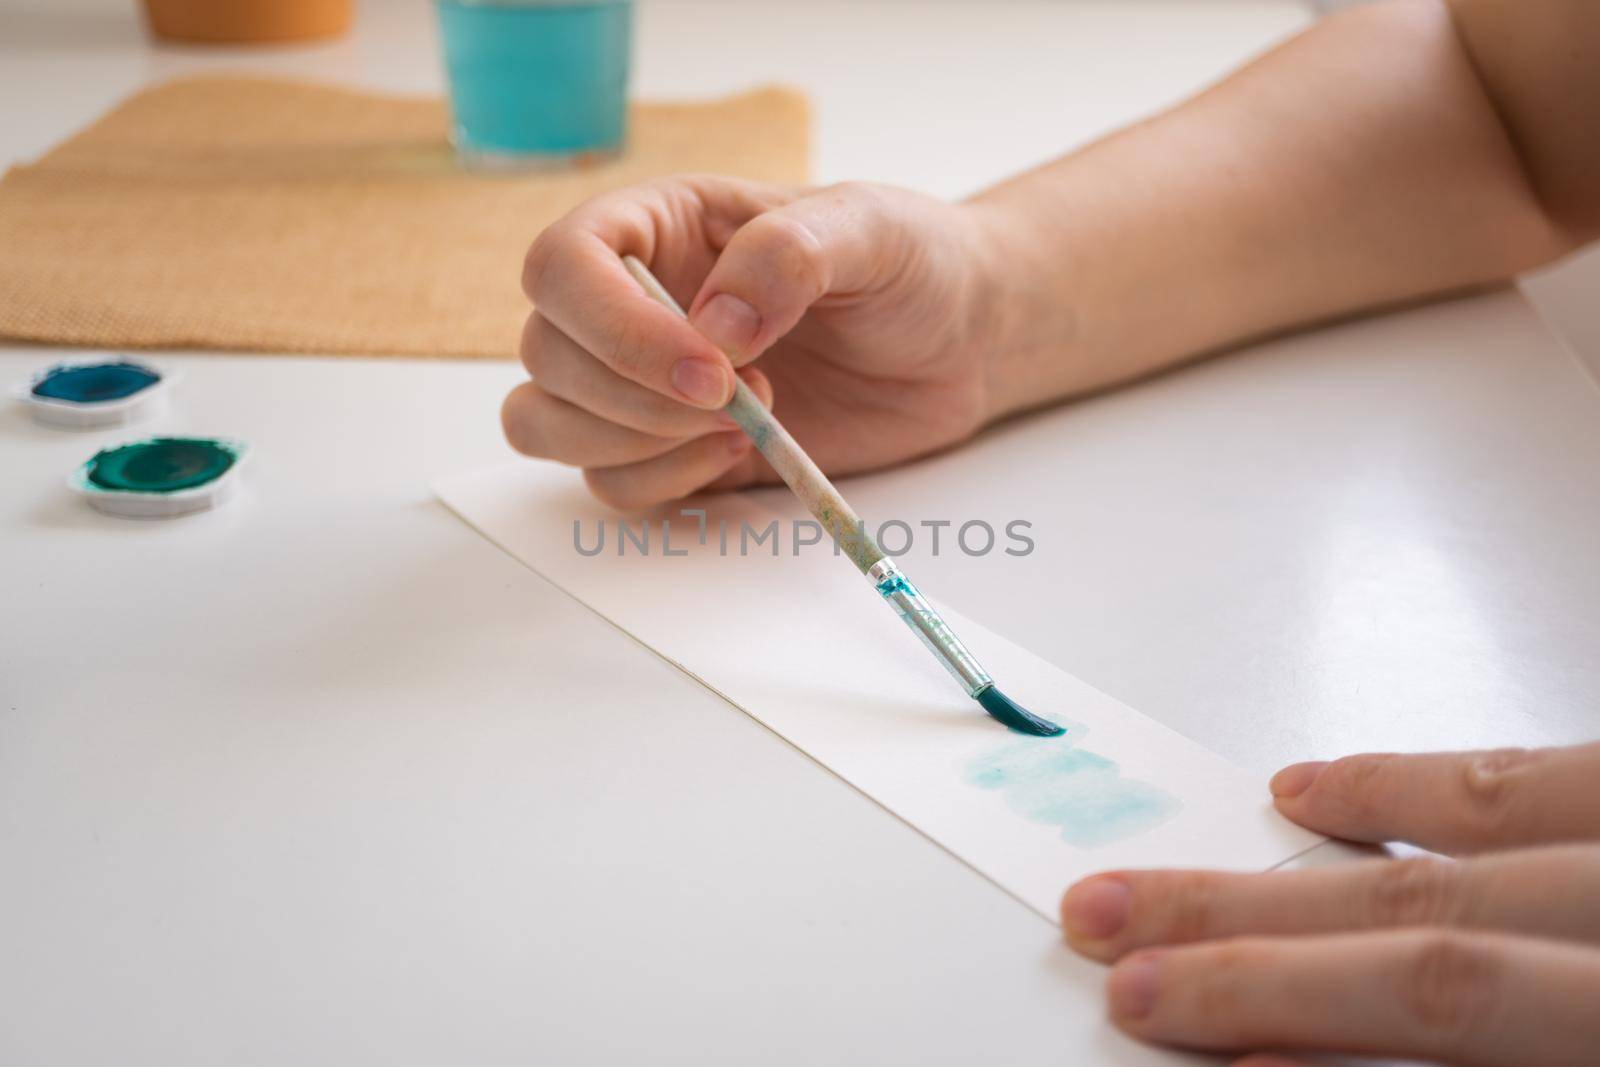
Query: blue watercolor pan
{"points": [[95, 392]]}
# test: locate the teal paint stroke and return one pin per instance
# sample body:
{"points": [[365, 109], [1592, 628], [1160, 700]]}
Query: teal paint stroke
{"points": [[1081, 793]]}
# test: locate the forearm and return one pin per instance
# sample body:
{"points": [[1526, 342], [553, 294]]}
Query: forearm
{"points": [[1359, 164]]}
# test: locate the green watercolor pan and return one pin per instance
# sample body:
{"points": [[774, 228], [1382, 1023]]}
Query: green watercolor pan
{"points": [[161, 476], [95, 391]]}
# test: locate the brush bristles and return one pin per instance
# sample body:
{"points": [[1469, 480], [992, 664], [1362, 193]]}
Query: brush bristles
{"points": [[1004, 710]]}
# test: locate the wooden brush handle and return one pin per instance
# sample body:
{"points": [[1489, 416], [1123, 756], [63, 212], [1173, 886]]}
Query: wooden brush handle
{"points": [[803, 476]]}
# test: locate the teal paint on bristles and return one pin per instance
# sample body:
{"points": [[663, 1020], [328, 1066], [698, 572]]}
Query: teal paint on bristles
{"points": [[850, 534]]}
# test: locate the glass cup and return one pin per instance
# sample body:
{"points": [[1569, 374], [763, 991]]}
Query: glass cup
{"points": [[537, 82]]}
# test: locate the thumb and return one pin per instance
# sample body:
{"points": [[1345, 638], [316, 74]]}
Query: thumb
{"points": [[782, 261]]}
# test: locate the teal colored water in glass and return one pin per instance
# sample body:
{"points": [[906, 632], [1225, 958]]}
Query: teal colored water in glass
{"points": [[531, 80]]}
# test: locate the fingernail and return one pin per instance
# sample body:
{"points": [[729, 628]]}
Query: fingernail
{"points": [[1133, 986], [728, 322], [701, 381], [1096, 909], [1295, 779]]}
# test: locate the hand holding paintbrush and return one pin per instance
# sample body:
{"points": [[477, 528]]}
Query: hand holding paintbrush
{"points": [[870, 310], [866, 306], [850, 533]]}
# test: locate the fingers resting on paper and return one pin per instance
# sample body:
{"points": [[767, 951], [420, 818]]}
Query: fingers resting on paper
{"points": [[1452, 802], [1482, 960]]}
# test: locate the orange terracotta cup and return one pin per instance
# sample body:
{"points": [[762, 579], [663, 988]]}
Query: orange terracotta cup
{"points": [[245, 21]]}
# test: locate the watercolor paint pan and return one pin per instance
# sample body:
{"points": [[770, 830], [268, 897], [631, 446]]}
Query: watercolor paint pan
{"points": [[95, 392], [161, 477]]}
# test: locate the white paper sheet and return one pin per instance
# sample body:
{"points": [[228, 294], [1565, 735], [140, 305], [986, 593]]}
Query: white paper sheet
{"points": [[801, 643]]}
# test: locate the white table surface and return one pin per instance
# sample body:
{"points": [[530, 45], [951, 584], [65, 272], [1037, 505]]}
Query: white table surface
{"points": [[316, 778]]}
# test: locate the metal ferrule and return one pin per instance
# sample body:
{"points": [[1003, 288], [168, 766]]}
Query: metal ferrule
{"points": [[926, 623]]}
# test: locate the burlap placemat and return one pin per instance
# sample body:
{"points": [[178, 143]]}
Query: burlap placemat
{"points": [[266, 215]]}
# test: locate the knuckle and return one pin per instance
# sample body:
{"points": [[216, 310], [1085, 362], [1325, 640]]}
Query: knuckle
{"points": [[1417, 891], [1237, 956], [788, 250], [881, 210], [870, 195], [537, 262], [613, 490], [1222, 995], [1354, 782], [1490, 783], [628, 352], [551, 360], [1450, 982], [519, 419], [1191, 906], [673, 420], [532, 348]]}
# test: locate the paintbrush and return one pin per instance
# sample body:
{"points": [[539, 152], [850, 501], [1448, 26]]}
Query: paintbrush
{"points": [[850, 533]]}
